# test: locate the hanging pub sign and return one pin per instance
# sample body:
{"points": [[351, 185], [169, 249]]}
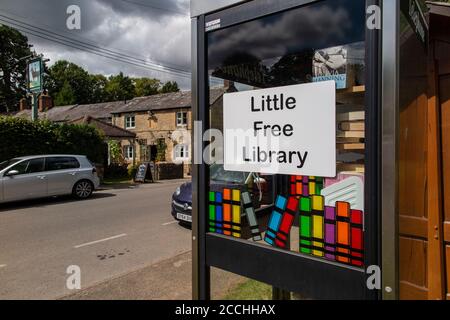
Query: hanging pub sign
{"points": [[35, 84], [413, 13], [284, 130]]}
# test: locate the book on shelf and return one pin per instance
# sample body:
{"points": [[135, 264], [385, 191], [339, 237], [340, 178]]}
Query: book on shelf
{"points": [[349, 140], [350, 134], [352, 126], [351, 116], [350, 146], [350, 167]]}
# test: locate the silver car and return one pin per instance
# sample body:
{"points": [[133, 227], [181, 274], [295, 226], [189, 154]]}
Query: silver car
{"points": [[45, 176]]}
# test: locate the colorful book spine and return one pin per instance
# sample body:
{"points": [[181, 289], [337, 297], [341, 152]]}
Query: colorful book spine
{"points": [[317, 226], [219, 213], [343, 232], [357, 238], [305, 186], [212, 212], [305, 225], [251, 216], [236, 213], [227, 212], [275, 220], [286, 223], [315, 185], [296, 186], [330, 233]]}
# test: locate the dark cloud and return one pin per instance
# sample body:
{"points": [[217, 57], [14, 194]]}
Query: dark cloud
{"points": [[160, 34]]}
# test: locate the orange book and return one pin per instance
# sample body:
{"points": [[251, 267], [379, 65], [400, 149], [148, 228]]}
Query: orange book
{"points": [[226, 212], [343, 232]]}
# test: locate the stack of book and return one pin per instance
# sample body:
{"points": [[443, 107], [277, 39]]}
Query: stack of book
{"points": [[350, 134]]}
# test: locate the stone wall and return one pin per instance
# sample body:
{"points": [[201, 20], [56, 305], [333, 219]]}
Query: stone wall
{"points": [[158, 125]]}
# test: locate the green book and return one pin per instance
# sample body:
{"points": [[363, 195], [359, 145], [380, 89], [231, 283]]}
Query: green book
{"points": [[212, 211], [305, 225]]}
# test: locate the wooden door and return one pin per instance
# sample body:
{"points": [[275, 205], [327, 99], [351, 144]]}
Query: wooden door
{"points": [[444, 90], [413, 216]]}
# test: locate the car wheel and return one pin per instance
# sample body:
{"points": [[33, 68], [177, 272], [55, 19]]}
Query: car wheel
{"points": [[83, 189]]}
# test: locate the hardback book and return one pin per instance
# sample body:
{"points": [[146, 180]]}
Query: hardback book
{"points": [[350, 134], [352, 126], [351, 116]]}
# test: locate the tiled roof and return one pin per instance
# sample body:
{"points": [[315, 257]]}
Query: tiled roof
{"points": [[109, 130], [166, 101], [69, 113], [97, 110], [173, 100]]}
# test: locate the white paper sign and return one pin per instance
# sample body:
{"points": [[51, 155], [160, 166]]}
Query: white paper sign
{"points": [[285, 130]]}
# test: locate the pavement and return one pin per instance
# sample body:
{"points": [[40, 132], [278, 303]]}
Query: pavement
{"points": [[124, 241], [167, 280]]}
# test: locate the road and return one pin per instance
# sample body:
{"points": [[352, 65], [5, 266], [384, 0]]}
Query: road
{"points": [[113, 233]]}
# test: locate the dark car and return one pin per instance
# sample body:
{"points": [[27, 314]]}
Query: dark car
{"points": [[220, 179]]}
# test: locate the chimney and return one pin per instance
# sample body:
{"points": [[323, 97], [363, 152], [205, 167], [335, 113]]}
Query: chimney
{"points": [[23, 104], [45, 103]]}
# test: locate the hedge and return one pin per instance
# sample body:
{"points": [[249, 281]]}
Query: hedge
{"points": [[20, 137]]}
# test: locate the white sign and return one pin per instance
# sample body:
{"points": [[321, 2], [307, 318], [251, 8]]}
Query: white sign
{"points": [[285, 130]]}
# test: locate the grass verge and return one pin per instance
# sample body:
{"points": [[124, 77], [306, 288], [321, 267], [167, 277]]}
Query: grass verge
{"points": [[250, 290]]}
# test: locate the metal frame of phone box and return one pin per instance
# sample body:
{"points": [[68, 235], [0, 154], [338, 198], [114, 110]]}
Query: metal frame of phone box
{"points": [[312, 278]]}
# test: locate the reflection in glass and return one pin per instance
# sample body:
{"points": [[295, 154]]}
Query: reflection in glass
{"points": [[315, 216]]}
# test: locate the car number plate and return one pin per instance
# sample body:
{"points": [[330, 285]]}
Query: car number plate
{"points": [[184, 217]]}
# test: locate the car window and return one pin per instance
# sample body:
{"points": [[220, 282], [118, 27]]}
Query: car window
{"points": [[7, 163], [61, 163], [20, 167], [29, 166], [35, 165]]}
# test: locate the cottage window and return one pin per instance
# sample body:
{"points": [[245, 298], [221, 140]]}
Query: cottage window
{"points": [[130, 122], [181, 152], [181, 119], [129, 152]]}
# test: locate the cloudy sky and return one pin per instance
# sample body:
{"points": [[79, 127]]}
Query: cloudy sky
{"points": [[140, 31]]}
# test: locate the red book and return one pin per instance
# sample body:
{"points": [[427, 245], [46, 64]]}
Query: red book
{"points": [[357, 238], [287, 221]]}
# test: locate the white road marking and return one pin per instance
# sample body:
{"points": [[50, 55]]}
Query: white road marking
{"points": [[171, 222], [101, 240], [2, 265]]}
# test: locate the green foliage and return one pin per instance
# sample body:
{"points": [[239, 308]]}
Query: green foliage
{"points": [[146, 87], [132, 171], [115, 151], [21, 137], [13, 49], [64, 74], [171, 86], [119, 87], [161, 150], [98, 84], [65, 96]]}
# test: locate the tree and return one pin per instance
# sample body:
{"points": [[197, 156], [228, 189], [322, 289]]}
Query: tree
{"points": [[119, 87], [65, 96], [146, 87], [171, 86], [63, 72], [14, 49], [98, 88]]}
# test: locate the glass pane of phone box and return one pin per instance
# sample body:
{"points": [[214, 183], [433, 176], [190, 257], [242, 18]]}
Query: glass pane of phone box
{"points": [[317, 216]]}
